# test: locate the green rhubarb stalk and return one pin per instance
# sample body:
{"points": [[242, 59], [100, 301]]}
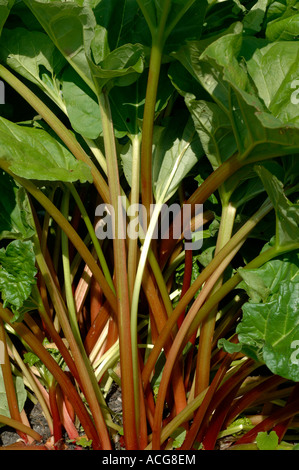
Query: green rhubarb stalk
{"points": [[95, 398], [130, 413], [8, 382], [93, 236], [146, 245], [158, 39], [57, 372], [208, 325], [236, 241], [134, 200]]}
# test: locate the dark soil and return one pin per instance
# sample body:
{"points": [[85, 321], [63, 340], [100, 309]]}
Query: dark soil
{"points": [[37, 421], [8, 436]]}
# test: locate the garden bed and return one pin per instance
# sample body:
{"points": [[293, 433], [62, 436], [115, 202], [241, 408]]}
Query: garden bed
{"points": [[149, 224]]}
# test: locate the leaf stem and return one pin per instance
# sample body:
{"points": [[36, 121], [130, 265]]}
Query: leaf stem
{"points": [[56, 371], [130, 411], [93, 236], [208, 325], [8, 382], [158, 39], [93, 393]]}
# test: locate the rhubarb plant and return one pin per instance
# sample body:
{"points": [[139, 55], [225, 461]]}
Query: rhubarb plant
{"points": [[149, 221]]}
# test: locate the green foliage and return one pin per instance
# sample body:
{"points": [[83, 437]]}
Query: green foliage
{"points": [[267, 441], [168, 101], [17, 272]]}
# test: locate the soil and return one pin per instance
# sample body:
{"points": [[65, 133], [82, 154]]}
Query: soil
{"points": [[9, 438]]}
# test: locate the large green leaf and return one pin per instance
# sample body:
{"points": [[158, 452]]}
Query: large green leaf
{"points": [[184, 19], [17, 272], [214, 129], [120, 23], [287, 213], [263, 282], [119, 67], [275, 71], [14, 210], [33, 154], [71, 28], [81, 105], [283, 20], [33, 55], [176, 146], [255, 16], [270, 331], [258, 132]]}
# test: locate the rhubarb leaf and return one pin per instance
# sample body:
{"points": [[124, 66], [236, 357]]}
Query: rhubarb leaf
{"points": [[285, 26], [81, 105], [33, 55], [127, 103], [71, 28], [176, 150], [14, 210], [120, 67], [263, 282], [33, 154], [275, 71], [222, 71], [270, 331], [287, 214], [17, 273]]}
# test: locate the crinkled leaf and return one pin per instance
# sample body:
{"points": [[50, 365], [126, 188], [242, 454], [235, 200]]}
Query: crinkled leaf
{"points": [[20, 392], [17, 272], [285, 26], [265, 281], [275, 71], [257, 132], [34, 154], [73, 29], [15, 220], [287, 214], [270, 331]]}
